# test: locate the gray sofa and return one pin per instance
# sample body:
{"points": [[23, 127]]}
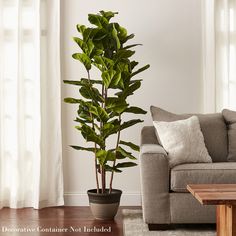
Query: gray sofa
{"points": [[165, 200]]}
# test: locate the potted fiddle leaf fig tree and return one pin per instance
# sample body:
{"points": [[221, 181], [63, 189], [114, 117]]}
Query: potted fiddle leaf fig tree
{"points": [[103, 102]]}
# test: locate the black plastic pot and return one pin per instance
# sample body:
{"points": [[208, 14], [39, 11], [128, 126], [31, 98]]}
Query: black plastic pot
{"points": [[104, 206]]}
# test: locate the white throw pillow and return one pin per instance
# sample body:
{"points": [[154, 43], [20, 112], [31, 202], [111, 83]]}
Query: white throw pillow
{"points": [[183, 141]]}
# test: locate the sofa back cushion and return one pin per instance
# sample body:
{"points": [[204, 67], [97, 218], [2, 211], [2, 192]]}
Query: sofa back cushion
{"points": [[213, 129], [230, 119]]}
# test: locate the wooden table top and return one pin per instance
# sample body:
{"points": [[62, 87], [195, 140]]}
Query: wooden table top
{"points": [[214, 194]]}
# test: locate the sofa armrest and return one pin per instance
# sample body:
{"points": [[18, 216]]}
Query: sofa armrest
{"points": [[152, 148], [155, 184]]}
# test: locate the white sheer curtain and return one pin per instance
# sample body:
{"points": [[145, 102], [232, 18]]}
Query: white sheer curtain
{"points": [[30, 125], [225, 35], [219, 54]]}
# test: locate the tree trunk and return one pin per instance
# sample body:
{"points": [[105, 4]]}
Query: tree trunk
{"points": [[103, 177]]}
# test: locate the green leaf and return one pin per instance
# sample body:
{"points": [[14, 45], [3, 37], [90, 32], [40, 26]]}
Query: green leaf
{"points": [[136, 85], [132, 45], [122, 66], [90, 47], [107, 77], [98, 20], [108, 14], [83, 111], [140, 70], [99, 37], [115, 80], [129, 90], [82, 82], [84, 59], [112, 101], [135, 110], [129, 123], [105, 62], [131, 145], [90, 135], [122, 33], [73, 82], [86, 92], [134, 81], [121, 82], [133, 64], [98, 60], [82, 121], [111, 169], [124, 153], [81, 28], [103, 156], [100, 113], [92, 81], [116, 105], [83, 148], [89, 33], [96, 52], [125, 165], [80, 42], [85, 115], [128, 38], [115, 37], [91, 93], [123, 54], [107, 130], [119, 108], [110, 128], [72, 100], [87, 47]]}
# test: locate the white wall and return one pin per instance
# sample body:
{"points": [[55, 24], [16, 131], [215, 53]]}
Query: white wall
{"points": [[170, 32]]}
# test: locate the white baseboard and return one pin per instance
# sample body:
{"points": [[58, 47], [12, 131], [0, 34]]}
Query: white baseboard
{"points": [[81, 199]]}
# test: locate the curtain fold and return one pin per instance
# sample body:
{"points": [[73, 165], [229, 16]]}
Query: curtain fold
{"points": [[225, 33], [219, 51], [30, 103], [208, 56]]}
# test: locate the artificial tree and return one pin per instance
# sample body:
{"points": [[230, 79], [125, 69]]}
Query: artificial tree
{"points": [[104, 100]]}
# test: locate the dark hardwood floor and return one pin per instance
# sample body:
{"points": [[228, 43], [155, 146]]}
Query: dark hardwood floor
{"points": [[63, 220]]}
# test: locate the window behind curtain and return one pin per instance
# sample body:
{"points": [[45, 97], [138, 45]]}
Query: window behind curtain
{"points": [[225, 39], [30, 104], [19, 96]]}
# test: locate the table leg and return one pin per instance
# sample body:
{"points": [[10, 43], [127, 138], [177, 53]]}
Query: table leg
{"points": [[226, 220]]}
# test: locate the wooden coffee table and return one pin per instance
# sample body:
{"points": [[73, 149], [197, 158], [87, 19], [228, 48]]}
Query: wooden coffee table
{"points": [[222, 195]]}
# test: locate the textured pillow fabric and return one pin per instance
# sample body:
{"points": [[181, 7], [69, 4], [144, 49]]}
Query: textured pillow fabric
{"points": [[183, 141], [230, 119], [213, 128]]}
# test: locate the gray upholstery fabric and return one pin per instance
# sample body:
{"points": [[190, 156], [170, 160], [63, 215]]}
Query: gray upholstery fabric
{"points": [[186, 209], [148, 135], [160, 206], [230, 119], [155, 185], [213, 128], [152, 148], [202, 173]]}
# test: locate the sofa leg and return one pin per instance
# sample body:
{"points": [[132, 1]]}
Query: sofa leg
{"points": [[153, 227]]}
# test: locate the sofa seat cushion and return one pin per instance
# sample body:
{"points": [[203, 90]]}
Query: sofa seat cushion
{"points": [[202, 173]]}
